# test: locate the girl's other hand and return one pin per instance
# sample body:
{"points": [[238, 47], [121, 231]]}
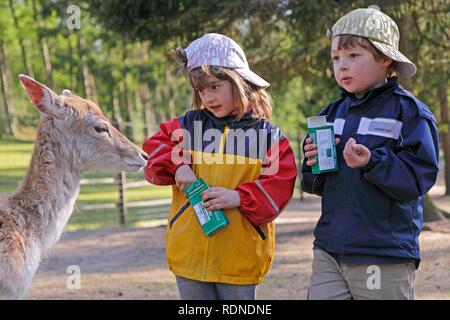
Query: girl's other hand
{"points": [[184, 176], [216, 198]]}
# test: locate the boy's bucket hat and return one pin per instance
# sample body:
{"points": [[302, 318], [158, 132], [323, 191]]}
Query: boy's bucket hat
{"points": [[380, 30], [218, 50]]}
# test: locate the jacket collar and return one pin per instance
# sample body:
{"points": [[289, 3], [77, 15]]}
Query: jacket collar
{"points": [[230, 121], [388, 87]]}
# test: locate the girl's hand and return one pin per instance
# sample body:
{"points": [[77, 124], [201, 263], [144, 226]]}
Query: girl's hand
{"points": [[184, 176], [356, 155], [216, 198], [311, 150]]}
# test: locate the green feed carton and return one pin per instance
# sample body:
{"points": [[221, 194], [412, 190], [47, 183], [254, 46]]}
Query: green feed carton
{"points": [[322, 134], [210, 221]]}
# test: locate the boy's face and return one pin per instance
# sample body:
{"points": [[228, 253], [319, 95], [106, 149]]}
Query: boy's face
{"points": [[217, 97], [356, 70]]}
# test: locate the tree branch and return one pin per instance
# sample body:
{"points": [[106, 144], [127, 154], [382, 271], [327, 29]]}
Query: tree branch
{"points": [[430, 40]]}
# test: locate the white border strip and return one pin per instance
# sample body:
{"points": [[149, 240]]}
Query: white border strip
{"points": [[274, 205], [156, 150]]}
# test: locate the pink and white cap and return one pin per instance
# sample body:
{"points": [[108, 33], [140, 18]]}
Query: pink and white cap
{"points": [[218, 50]]}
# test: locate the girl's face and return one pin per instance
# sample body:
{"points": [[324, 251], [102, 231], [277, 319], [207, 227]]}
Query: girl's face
{"points": [[356, 70], [217, 97]]}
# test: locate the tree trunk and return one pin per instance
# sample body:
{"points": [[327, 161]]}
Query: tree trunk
{"points": [[158, 97], [80, 72], [431, 212], [6, 89], [148, 112], [443, 102], [127, 111], [88, 79], [116, 106], [44, 49], [6, 128], [25, 61], [47, 62], [138, 101], [93, 87], [144, 91], [170, 94], [73, 74], [404, 26]]}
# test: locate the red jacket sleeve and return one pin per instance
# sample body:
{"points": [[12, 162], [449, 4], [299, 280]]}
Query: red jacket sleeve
{"points": [[164, 153], [264, 199]]}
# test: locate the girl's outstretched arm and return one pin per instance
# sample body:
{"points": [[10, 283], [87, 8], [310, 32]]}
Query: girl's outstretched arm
{"points": [[164, 155]]}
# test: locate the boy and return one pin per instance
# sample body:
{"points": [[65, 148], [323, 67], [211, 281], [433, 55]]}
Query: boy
{"points": [[367, 238]]}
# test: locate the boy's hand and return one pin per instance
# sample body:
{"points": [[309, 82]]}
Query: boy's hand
{"points": [[356, 155], [220, 198], [311, 150], [184, 176]]}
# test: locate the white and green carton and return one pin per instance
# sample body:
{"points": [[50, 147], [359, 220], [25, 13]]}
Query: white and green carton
{"points": [[322, 134], [210, 221]]}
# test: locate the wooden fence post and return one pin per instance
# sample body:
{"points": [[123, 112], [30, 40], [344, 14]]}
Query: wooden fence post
{"points": [[122, 177], [122, 204]]}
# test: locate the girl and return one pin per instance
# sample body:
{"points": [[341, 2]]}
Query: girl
{"points": [[229, 142]]}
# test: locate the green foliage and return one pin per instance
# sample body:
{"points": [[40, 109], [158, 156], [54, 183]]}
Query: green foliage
{"points": [[161, 20], [120, 58], [124, 46]]}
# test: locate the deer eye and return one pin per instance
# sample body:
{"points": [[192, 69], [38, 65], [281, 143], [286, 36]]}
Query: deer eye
{"points": [[101, 129]]}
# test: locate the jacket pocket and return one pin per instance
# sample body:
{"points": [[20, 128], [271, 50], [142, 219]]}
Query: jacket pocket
{"points": [[260, 231], [178, 214]]}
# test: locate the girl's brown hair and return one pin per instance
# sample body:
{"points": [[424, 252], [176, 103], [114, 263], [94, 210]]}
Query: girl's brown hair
{"points": [[247, 96], [347, 41]]}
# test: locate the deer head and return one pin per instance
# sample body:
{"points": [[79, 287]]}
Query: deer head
{"points": [[86, 137]]}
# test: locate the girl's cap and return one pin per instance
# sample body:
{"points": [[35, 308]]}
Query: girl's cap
{"points": [[380, 30], [218, 50]]}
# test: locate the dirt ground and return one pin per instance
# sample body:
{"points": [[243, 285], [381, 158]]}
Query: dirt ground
{"points": [[129, 263]]}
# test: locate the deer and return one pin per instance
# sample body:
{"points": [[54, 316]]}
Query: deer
{"points": [[73, 136]]}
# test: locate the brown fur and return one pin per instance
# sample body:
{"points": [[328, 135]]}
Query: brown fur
{"points": [[33, 218]]}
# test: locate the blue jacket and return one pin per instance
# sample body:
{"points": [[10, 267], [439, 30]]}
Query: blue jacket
{"points": [[377, 211]]}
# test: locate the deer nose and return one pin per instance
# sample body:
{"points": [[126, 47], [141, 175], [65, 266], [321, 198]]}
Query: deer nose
{"points": [[144, 156]]}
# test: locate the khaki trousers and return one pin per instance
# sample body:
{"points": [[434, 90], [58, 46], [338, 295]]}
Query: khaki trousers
{"points": [[331, 281]]}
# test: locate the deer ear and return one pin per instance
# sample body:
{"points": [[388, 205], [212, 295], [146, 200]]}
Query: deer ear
{"points": [[41, 96]]}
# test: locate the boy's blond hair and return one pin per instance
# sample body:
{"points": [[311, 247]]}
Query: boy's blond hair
{"points": [[247, 96]]}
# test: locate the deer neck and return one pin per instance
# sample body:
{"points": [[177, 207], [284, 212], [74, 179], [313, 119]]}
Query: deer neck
{"points": [[45, 201]]}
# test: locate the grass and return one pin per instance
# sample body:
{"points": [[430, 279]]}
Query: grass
{"points": [[15, 156]]}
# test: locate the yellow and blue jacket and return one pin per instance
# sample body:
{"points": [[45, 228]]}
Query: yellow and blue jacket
{"points": [[251, 157]]}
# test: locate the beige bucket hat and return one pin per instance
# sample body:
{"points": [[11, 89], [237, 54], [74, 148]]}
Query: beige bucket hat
{"points": [[380, 30]]}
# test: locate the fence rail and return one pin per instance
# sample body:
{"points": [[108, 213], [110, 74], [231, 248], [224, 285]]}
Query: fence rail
{"points": [[154, 209]]}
